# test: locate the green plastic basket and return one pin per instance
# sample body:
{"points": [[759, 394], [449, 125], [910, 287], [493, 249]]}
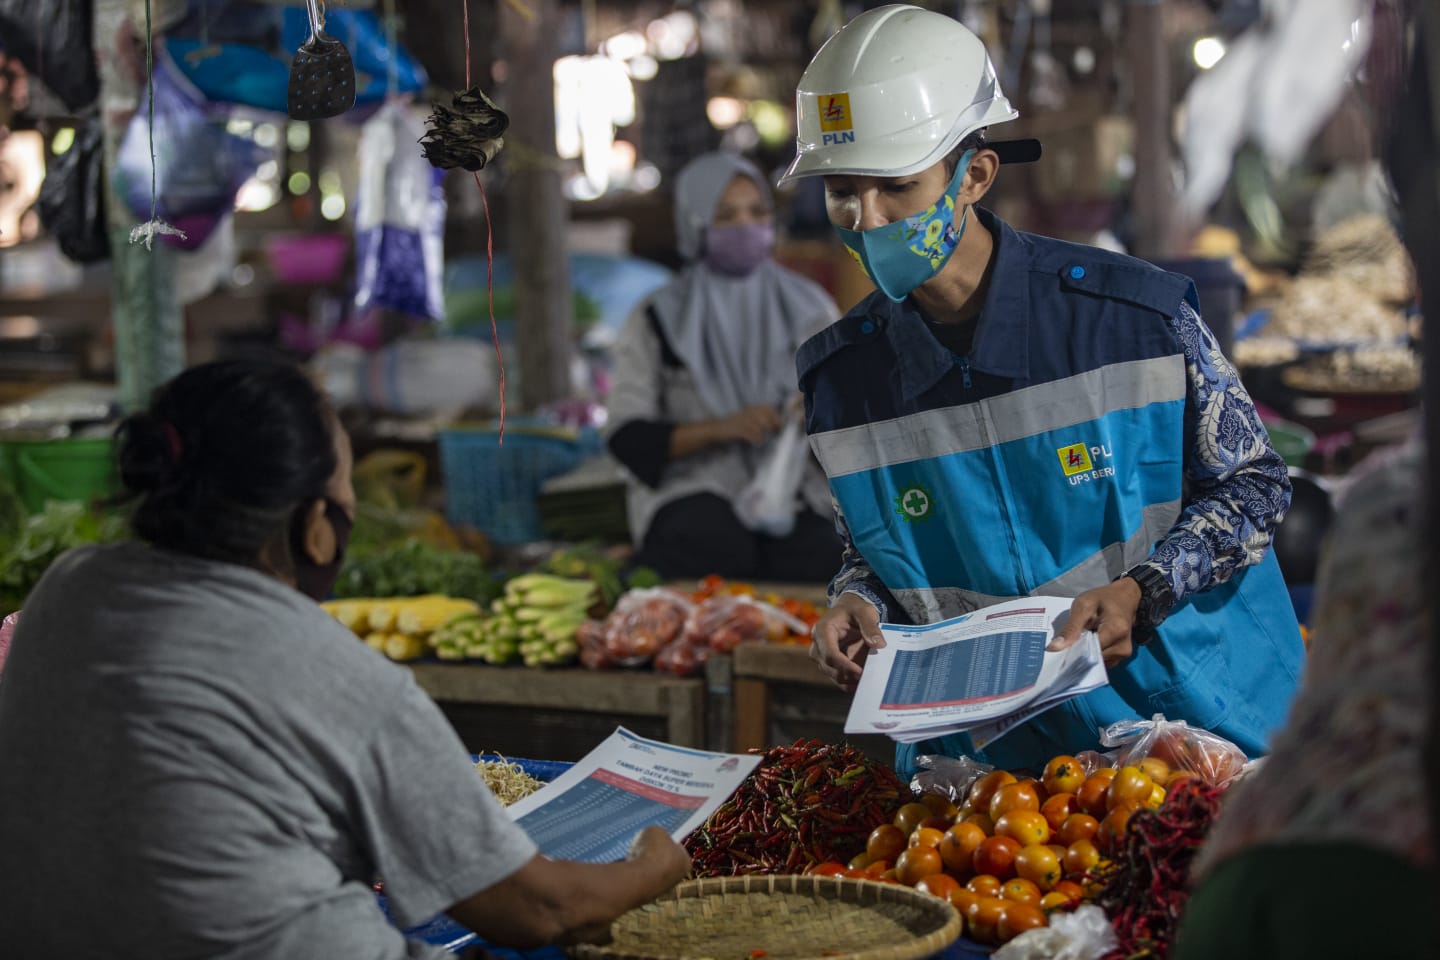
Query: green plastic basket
{"points": [[76, 468], [1292, 441]]}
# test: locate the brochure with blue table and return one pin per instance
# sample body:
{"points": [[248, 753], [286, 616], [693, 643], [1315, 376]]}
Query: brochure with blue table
{"points": [[982, 673]]}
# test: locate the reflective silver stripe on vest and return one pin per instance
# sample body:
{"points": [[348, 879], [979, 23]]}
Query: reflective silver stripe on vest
{"points": [[1012, 416], [1098, 569]]}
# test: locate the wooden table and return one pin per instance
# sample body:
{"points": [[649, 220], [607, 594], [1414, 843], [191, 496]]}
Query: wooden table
{"points": [[562, 714], [780, 695]]}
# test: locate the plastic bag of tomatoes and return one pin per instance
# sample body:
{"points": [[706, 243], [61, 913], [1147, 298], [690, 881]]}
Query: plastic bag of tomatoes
{"points": [[1178, 745]]}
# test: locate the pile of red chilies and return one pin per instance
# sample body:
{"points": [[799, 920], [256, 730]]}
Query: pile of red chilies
{"points": [[804, 804], [1146, 888]]}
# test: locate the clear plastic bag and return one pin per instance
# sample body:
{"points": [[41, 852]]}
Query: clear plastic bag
{"points": [[682, 659], [768, 504], [949, 776], [399, 219], [1182, 747], [643, 623], [1084, 934], [724, 622]]}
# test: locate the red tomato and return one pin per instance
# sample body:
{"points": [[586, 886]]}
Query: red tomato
{"points": [[938, 884], [983, 918], [828, 869], [1078, 826], [996, 856], [1093, 792], [1057, 807], [1070, 889], [1112, 828], [1017, 918]]}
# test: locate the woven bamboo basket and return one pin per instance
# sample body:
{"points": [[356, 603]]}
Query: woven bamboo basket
{"points": [[782, 918]]}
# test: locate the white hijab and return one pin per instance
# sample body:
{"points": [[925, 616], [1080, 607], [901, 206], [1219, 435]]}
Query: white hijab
{"points": [[736, 335]]}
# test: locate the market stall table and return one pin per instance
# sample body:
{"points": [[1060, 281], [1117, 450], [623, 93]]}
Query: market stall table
{"points": [[562, 713]]}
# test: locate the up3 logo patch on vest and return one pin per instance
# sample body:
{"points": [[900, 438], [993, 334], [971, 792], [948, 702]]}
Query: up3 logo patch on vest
{"points": [[836, 123]]}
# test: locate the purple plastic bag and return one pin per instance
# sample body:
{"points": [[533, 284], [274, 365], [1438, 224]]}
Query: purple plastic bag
{"points": [[399, 219]]}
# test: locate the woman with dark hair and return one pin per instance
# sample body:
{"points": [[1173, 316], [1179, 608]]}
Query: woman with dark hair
{"points": [[202, 763]]}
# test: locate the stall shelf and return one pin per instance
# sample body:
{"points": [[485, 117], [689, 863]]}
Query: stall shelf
{"points": [[780, 695], [562, 714]]}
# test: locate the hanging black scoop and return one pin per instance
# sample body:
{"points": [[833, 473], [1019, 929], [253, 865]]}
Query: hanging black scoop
{"points": [[322, 77]]}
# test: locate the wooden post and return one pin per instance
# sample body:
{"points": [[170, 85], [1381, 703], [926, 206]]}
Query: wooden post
{"points": [[1153, 196], [538, 212], [149, 323]]}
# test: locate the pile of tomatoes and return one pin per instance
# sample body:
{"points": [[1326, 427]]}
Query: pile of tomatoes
{"points": [[1018, 848]]}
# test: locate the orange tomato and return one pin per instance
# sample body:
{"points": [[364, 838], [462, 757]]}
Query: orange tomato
{"points": [[940, 806], [1057, 807], [1026, 826], [1080, 856], [1014, 796], [1059, 849], [1063, 774], [983, 789], [908, 817], [1017, 918], [1070, 889], [957, 849], [1176, 776], [1092, 795], [1020, 890], [983, 918], [984, 885], [828, 869], [961, 898], [1155, 768], [885, 842], [938, 884], [938, 823], [1039, 865], [860, 861], [1077, 826], [983, 821], [996, 856], [1130, 785], [1053, 900], [1112, 828], [916, 863], [926, 837], [855, 874], [877, 868]]}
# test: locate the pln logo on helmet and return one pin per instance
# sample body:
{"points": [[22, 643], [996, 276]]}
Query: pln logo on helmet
{"points": [[836, 122]]}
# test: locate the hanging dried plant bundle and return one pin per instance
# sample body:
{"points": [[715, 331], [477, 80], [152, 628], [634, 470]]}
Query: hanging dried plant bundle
{"points": [[467, 134]]}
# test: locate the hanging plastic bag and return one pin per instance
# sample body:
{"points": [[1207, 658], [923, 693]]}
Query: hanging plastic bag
{"points": [[72, 198], [1181, 747], [399, 219], [198, 168], [768, 504], [52, 39]]}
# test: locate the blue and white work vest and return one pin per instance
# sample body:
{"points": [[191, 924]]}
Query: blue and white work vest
{"points": [[1047, 462]]}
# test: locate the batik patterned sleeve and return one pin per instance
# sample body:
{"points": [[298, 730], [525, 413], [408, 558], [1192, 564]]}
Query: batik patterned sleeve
{"points": [[1237, 488], [855, 575]]}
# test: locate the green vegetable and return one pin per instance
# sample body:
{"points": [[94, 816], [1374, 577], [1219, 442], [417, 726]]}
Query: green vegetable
{"points": [[30, 544], [414, 568]]}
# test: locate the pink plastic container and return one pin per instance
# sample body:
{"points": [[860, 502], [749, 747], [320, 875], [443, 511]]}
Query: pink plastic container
{"points": [[307, 258]]}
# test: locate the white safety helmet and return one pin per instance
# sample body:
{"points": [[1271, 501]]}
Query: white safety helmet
{"points": [[892, 93]]}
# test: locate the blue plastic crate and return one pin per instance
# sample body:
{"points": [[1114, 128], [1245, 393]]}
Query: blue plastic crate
{"points": [[492, 486]]}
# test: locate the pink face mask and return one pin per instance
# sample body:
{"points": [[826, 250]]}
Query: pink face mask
{"points": [[736, 251]]}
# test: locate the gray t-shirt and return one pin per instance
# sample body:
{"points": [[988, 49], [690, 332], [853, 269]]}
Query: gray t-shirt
{"points": [[196, 761]]}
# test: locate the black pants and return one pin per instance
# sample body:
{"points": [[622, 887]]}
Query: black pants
{"points": [[701, 535]]}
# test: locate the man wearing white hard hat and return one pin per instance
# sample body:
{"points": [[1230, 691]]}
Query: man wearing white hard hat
{"points": [[1011, 415]]}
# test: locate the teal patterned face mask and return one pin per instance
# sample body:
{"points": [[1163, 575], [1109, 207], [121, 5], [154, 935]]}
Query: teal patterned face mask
{"points": [[900, 256]]}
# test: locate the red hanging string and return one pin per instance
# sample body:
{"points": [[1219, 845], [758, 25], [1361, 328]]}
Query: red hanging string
{"points": [[489, 241]]}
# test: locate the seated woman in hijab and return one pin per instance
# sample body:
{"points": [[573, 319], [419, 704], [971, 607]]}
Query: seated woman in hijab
{"points": [[704, 382], [200, 762]]}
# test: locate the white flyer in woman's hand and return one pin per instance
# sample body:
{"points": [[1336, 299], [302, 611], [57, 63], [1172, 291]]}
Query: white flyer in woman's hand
{"points": [[986, 669]]}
